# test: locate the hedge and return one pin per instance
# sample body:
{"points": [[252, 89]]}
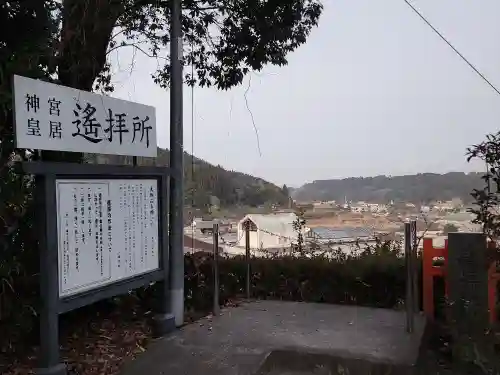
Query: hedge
{"points": [[376, 280]]}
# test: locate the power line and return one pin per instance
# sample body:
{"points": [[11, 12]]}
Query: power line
{"points": [[483, 77]]}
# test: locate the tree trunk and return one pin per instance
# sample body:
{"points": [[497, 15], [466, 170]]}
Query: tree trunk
{"points": [[86, 31], [87, 27]]}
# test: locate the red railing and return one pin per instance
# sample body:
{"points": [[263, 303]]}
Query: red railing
{"points": [[435, 264]]}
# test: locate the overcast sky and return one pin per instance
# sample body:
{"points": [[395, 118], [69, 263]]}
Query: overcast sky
{"points": [[373, 91]]}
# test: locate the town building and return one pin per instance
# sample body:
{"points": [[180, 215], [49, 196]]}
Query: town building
{"points": [[206, 226], [368, 207], [268, 231]]}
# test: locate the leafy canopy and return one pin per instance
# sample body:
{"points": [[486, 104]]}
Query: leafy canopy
{"points": [[223, 39], [487, 198]]}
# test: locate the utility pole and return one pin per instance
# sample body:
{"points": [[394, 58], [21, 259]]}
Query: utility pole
{"points": [[414, 254], [247, 258], [176, 207], [410, 310], [216, 307]]}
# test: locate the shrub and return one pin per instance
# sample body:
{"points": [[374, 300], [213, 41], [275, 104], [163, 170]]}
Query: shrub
{"points": [[374, 279]]}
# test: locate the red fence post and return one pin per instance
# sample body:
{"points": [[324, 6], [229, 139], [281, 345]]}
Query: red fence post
{"points": [[429, 270], [427, 279]]}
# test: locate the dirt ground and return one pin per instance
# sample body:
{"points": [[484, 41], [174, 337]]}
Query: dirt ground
{"points": [[354, 220]]}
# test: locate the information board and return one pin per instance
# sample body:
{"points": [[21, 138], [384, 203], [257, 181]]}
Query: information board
{"points": [[108, 231]]}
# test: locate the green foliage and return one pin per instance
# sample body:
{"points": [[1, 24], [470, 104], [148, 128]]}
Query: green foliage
{"points": [[374, 278], [232, 188], [203, 180], [487, 197], [226, 39], [285, 190], [482, 352], [420, 188], [250, 34], [298, 226], [26, 49], [449, 228]]}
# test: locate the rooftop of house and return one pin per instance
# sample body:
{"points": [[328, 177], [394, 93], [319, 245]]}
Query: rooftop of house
{"points": [[204, 224], [280, 223]]}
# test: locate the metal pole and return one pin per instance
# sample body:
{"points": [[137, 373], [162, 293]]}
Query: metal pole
{"points": [[45, 197], [247, 257], [415, 273], [409, 281], [216, 268], [176, 238]]}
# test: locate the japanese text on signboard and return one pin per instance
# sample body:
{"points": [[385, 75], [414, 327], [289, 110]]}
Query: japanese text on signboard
{"points": [[53, 117], [108, 231]]}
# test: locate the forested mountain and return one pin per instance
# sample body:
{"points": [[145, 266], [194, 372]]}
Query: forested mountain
{"points": [[207, 184], [419, 188]]}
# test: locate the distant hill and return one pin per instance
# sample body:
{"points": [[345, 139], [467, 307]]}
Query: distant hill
{"points": [[207, 184], [419, 188]]}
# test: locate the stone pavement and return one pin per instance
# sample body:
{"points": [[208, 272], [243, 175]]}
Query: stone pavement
{"points": [[273, 337]]}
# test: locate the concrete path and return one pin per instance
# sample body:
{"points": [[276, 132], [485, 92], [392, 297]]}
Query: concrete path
{"points": [[273, 337]]}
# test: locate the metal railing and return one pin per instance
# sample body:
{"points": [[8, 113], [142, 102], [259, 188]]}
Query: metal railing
{"points": [[411, 262]]}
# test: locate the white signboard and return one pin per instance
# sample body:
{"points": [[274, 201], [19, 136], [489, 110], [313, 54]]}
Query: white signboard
{"points": [[108, 231], [59, 118]]}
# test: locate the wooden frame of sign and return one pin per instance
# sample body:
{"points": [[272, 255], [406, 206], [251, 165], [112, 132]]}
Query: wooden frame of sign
{"points": [[80, 260]]}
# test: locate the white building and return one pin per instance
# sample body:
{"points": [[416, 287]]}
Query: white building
{"points": [[271, 231], [360, 207], [368, 207], [425, 209], [377, 208], [444, 206]]}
